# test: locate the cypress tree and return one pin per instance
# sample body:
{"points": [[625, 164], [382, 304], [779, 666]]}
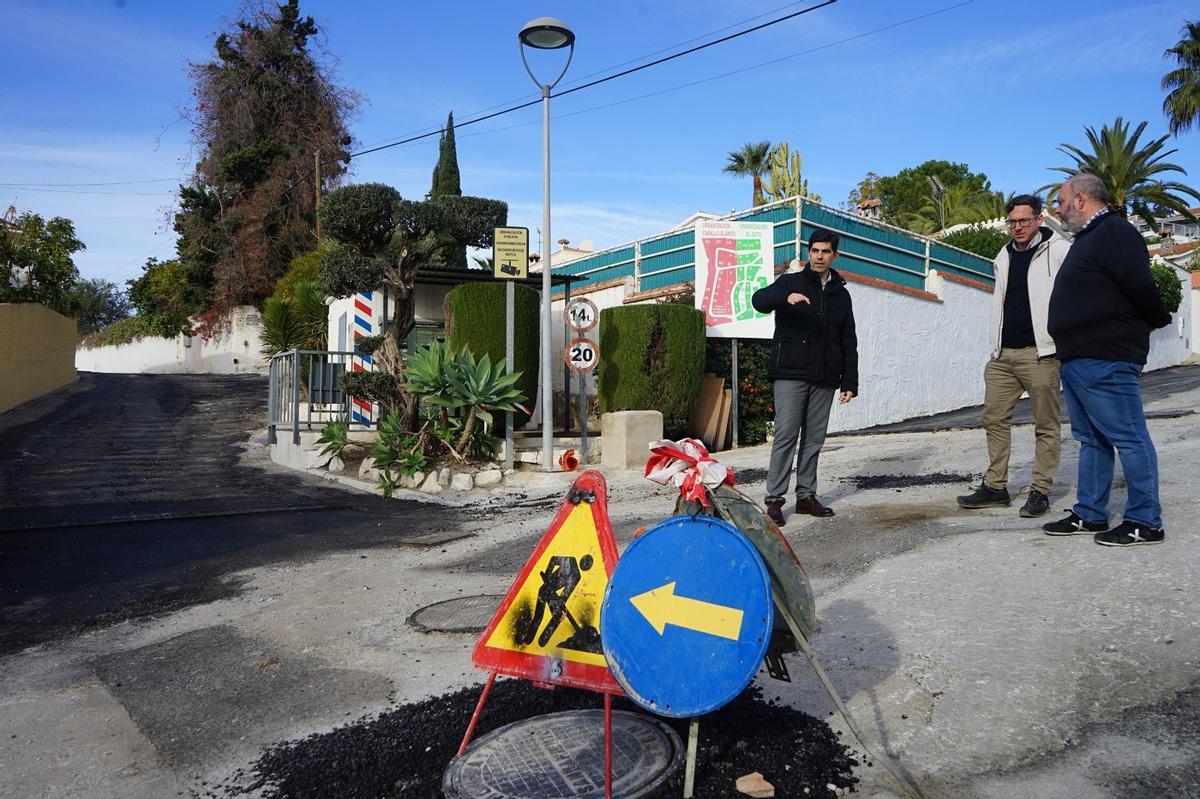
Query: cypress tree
{"points": [[446, 183]]}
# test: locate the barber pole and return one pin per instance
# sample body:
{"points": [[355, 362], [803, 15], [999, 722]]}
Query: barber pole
{"points": [[361, 411]]}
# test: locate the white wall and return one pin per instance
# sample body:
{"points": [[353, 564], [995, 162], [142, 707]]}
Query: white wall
{"points": [[234, 351], [1173, 344], [917, 357]]}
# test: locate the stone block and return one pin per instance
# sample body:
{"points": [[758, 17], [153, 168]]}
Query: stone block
{"points": [[627, 436], [462, 481], [443, 477], [431, 485], [337, 465], [489, 478]]}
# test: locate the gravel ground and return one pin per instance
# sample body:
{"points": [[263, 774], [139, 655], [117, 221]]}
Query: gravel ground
{"points": [[380, 756]]}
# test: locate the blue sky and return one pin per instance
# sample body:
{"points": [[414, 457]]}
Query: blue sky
{"points": [[92, 94]]}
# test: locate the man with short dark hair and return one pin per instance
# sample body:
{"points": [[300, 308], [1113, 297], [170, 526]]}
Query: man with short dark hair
{"points": [[1102, 309], [814, 354], [1022, 358]]}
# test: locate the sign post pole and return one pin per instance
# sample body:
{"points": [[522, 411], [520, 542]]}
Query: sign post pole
{"points": [[733, 410], [509, 302], [510, 261], [582, 355]]}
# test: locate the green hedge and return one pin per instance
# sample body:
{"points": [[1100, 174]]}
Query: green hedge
{"points": [[652, 358], [475, 321]]}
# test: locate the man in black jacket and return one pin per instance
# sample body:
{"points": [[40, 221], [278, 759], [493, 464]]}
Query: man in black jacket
{"points": [[814, 354], [1102, 309]]}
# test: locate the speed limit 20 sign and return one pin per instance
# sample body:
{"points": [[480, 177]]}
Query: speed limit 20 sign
{"points": [[582, 354]]}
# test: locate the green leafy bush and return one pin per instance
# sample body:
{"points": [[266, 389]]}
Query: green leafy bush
{"points": [[367, 345], [370, 386], [475, 321], [652, 358], [984, 241], [1167, 280], [756, 394], [122, 331], [335, 436]]}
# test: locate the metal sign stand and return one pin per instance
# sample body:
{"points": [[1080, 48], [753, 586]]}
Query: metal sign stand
{"points": [[510, 261], [509, 303], [733, 410]]}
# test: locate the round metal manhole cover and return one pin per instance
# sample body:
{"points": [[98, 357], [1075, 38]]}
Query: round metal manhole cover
{"points": [[561, 755], [467, 614]]}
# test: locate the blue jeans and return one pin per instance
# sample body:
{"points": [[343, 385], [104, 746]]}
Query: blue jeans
{"points": [[1105, 404]]}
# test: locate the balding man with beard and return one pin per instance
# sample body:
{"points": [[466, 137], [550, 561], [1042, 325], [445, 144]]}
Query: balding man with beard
{"points": [[1102, 309]]}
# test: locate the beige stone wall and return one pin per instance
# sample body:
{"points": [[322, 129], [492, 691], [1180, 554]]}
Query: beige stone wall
{"points": [[37, 352]]}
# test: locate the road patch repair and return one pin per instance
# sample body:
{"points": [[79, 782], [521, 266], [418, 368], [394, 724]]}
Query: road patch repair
{"points": [[988, 660]]}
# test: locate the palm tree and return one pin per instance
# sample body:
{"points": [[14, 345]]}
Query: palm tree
{"points": [[1130, 173], [961, 203], [1182, 103], [754, 160]]}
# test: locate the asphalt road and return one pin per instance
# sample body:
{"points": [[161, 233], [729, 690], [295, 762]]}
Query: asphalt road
{"points": [[122, 496]]}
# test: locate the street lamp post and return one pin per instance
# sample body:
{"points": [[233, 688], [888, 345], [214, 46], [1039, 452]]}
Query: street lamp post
{"points": [[546, 33]]}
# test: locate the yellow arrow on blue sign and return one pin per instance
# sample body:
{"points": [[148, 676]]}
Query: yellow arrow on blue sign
{"points": [[661, 606]]}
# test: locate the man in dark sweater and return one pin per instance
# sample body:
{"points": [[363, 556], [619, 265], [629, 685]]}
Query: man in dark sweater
{"points": [[1022, 358], [814, 354], [1102, 309]]}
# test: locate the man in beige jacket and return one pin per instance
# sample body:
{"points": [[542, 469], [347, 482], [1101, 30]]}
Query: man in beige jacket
{"points": [[1022, 358]]}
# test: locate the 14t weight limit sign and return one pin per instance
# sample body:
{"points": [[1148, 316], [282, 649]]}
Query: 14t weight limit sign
{"points": [[582, 354]]}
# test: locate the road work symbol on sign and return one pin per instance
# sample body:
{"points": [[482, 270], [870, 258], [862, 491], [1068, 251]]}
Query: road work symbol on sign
{"points": [[547, 627], [687, 616], [662, 606]]}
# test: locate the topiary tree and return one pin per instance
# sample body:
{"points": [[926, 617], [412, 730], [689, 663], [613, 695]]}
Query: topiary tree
{"points": [[475, 321], [374, 238], [652, 358]]}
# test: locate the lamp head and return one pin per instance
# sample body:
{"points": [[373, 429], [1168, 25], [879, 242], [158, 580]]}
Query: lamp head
{"points": [[546, 33]]}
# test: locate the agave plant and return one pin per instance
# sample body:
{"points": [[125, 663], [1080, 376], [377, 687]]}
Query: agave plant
{"points": [[335, 436], [481, 388], [427, 374]]}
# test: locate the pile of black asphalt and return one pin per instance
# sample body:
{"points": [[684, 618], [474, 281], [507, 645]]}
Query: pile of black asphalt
{"points": [[123, 496], [404, 752]]}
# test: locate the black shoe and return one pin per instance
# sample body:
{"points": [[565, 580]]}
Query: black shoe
{"points": [[775, 511], [1128, 534], [1073, 525], [1037, 504], [813, 507], [985, 497]]}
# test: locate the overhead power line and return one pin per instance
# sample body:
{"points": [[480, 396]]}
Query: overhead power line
{"points": [[598, 81]]}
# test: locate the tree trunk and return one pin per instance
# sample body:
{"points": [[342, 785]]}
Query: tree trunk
{"points": [[400, 279], [468, 428]]}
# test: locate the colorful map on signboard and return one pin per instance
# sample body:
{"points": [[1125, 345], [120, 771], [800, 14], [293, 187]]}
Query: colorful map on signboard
{"points": [[733, 260]]}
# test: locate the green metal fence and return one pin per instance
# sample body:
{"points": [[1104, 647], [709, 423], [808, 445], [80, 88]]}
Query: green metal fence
{"points": [[868, 248]]}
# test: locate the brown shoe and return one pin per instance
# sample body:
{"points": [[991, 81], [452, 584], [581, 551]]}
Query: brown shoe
{"points": [[775, 511], [812, 507]]}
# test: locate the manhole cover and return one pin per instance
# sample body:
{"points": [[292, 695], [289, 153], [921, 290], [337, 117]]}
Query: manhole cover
{"points": [[467, 614], [561, 755]]}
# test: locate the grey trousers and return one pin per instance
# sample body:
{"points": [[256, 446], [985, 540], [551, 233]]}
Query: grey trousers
{"points": [[801, 413]]}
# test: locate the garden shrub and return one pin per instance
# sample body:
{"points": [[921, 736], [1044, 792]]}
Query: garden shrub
{"points": [[756, 395], [475, 322], [1167, 280], [652, 358], [981, 240], [122, 331]]}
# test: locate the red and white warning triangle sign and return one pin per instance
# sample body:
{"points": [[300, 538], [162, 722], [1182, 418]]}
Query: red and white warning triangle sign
{"points": [[547, 628]]}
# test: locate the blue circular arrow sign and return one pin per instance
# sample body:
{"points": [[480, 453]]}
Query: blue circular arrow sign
{"points": [[687, 616]]}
